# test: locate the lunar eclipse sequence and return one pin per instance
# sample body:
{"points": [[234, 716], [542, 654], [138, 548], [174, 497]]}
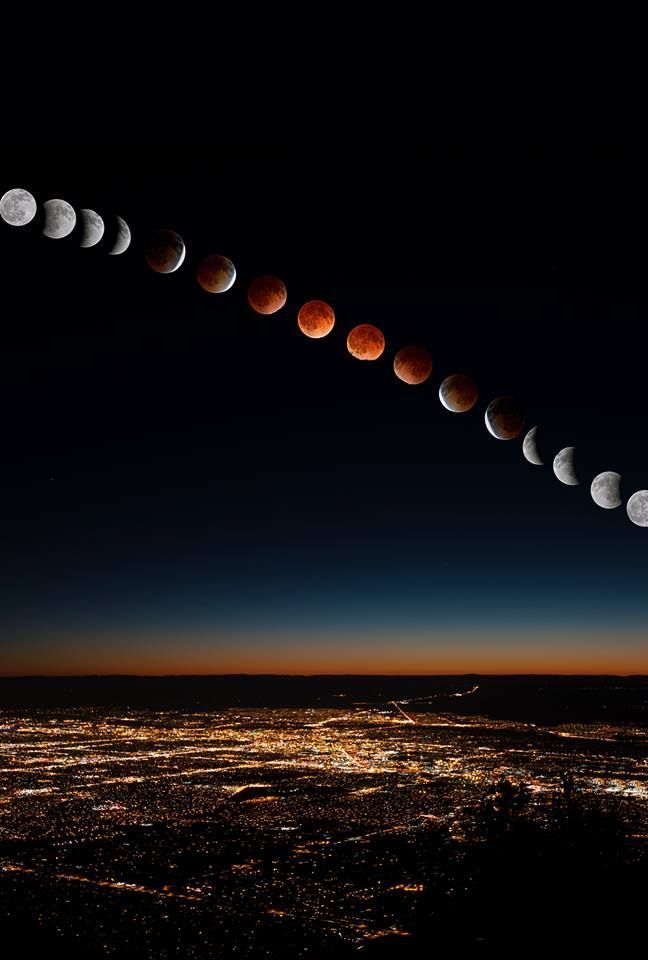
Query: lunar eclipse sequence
{"points": [[165, 252]]}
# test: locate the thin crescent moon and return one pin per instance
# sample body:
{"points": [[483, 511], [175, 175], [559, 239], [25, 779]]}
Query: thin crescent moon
{"points": [[122, 238], [563, 466], [530, 447]]}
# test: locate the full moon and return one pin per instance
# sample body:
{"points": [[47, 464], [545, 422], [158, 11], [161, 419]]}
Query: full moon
{"points": [[366, 342], [606, 490], [60, 219], [413, 364], [216, 274], [165, 251], [122, 238], [316, 319], [458, 393], [530, 447], [504, 418], [17, 207], [564, 468], [92, 226], [638, 508], [266, 295]]}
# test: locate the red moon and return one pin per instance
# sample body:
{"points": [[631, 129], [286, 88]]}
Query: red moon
{"points": [[413, 364], [366, 342], [504, 418], [165, 251], [267, 295], [458, 393], [216, 274], [316, 319]]}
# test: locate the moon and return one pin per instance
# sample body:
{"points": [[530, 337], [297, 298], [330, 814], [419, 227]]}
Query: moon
{"points": [[165, 251], [92, 226], [564, 468], [17, 207], [216, 274], [638, 508], [266, 295], [504, 418], [413, 364], [122, 237], [606, 490], [60, 219], [366, 342], [316, 319], [530, 447], [458, 393]]}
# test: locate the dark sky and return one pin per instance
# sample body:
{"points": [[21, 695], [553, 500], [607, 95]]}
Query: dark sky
{"points": [[190, 487]]}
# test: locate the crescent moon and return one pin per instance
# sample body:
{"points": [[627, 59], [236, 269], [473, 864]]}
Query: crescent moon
{"points": [[17, 207], [60, 219], [530, 447], [122, 237], [638, 508], [606, 490], [564, 468], [92, 226]]}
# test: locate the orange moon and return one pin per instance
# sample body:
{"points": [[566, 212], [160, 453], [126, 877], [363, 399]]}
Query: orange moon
{"points": [[504, 418], [216, 274], [413, 364], [267, 295], [366, 342], [316, 319], [458, 393], [165, 251]]}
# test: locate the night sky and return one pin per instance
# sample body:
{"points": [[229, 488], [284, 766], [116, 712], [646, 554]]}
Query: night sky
{"points": [[189, 487]]}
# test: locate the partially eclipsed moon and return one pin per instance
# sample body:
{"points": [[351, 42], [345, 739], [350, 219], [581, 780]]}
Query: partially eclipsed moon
{"points": [[366, 342], [92, 227], [165, 251], [458, 393], [60, 219], [606, 490], [564, 467], [316, 319], [638, 508], [504, 418], [266, 295], [413, 364], [530, 447], [17, 207], [216, 274], [122, 239]]}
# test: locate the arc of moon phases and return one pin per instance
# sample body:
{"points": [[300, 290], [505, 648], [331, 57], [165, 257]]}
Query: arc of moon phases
{"points": [[165, 251], [216, 274], [564, 467], [92, 226], [413, 364], [316, 319], [637, 508], [266, 295], [122, 239], [458, 393], [530, 447], [606, 490], [17, 207], [366, 342], [504, 418], [60, 219]]}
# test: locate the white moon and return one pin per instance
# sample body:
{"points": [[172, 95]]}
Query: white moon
{"points": [[92, 226], [122, 237], [60, 219], [530, 447], [563, 466], [638, 508], [17, 207], [606, 490]]}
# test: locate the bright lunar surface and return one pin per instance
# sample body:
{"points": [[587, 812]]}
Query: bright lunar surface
{"points": [[413, 364], [504, 418], [530, 447], [216, 274], [366, 342], [266, 295], [17, 207], [60, 219], [316, 319], [564, 468], [122, 239], [606, 490], [165, 251], [458, 393], [92, 226], [638, 508]]}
